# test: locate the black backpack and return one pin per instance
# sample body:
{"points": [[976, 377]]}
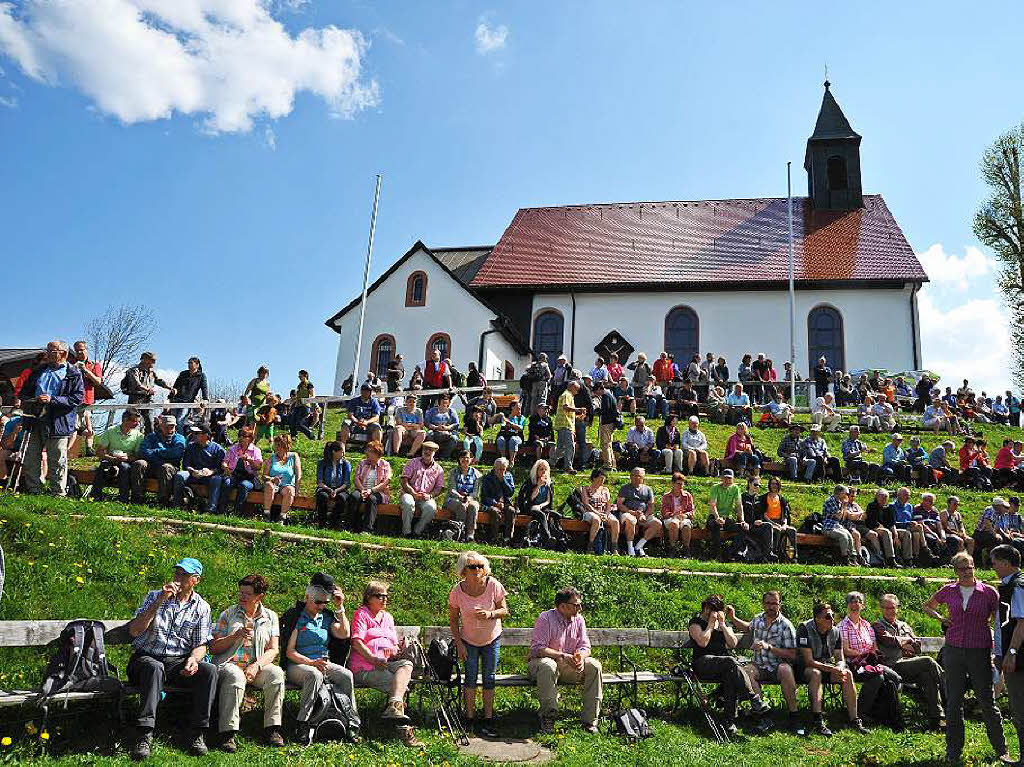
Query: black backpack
{"points": [[451, 530], [333, 716], [547, 534], [126, 384], [631, 723], [443, 660], [575, 503], [80, 663], [813, 523]]}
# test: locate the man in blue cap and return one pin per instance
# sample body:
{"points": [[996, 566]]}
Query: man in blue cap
{"points": [[170, 633]]}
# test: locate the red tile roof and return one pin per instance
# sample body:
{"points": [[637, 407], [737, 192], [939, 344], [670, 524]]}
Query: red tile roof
{"points": [[705, 242]]}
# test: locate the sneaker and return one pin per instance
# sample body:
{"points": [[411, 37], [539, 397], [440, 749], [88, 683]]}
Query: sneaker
{"points": [[796, 726], [486, 728], [395, 710], [731, 729], [143, 747], [197, 745], [227, 742], [274, 737], [640, 553], [590, 728], [408, 737], [762, 725], [858, 726]]}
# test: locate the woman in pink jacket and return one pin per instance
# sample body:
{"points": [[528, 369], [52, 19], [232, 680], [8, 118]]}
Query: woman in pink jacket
{"points": [[371, 486]]}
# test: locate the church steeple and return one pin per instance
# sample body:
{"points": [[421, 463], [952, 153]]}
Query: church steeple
{"points": [[832, 159]]}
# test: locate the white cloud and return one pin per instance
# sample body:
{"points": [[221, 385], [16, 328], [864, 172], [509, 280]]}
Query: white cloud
{"points": [[9, 102], [490, 39], [225, 61], [269, 138], [966, 340], [943, 267]]}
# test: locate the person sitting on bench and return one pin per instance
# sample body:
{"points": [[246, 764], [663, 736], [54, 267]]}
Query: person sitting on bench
{"points": [[159, 456], [202, 464], [442, 424], [560, 651], [422, 483], [364, 417], [170, 636], [695, 447], [117, 448], [639, 442], [497, 489], [408, 428], [725, 510], [634, 506]]}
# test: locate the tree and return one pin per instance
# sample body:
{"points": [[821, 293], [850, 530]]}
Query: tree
{"points": [[999, 223], [116, 338]]}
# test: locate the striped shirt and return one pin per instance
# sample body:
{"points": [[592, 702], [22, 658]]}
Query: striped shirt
{"points": [[969, 628], [177, 629], [779, 634], [556, 632]]}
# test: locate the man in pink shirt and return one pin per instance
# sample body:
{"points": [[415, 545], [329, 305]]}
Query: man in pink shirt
{"points": [[560, 650], [422, 481]]}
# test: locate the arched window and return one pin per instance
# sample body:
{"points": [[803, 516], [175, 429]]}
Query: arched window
{"points": [[548, 329], [825, 337], [682, 334], [442, 342], [382, 352], [416, 289], [837, 177]]}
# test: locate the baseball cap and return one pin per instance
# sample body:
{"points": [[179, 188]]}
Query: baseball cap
{"points": [[1000, 501], [815, 427], [324, 581], [191, 565], [897, 437], [201, 429], [170, 419], [728, 473]]}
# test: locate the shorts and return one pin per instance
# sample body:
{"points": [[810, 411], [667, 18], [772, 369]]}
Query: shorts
{"points": [[681, 521], [766, 676], [355, 430], [590, 516], [380, 678]]}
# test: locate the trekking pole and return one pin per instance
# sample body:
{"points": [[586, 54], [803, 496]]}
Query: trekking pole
{"points": [[18, 458]]}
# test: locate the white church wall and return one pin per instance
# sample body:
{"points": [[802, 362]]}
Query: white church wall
{"points": [[876, 323]]}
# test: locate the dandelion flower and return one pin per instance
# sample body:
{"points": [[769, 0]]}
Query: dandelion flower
{"points": [[6, 741]]}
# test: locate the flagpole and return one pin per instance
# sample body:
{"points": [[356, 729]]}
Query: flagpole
{"points": [[792, 292], [366, 279]]}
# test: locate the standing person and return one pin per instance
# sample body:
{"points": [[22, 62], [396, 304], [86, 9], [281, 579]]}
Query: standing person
{"points": [[92, 376], [282, 473], [299, 415], [422, 482], [584, 400], [244, 647], [170, 635], [140, 384], [560, 650], [476, 606], [202, 464], [243, 463], [395, 373], [257, 390], [565, 425], [190, 386], [371, 486], [677, 514], [497, 489], [967, 654], [1009, 630], [315, 646], [57, 388], [822, 377], [463, 500], [333, 479]]}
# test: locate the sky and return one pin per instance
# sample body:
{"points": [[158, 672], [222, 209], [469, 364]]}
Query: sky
{"points": [[215, 160]]}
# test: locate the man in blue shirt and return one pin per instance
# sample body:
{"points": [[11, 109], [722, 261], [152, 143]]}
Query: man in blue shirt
{"points": [[364, 417], [442, 424], [159, 457], [900, 514], [202, 465], [894, 460], [1013, 403]]}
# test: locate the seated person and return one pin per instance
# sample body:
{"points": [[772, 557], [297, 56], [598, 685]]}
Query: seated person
{"points": [[473, 441], [333, 480], [790, 452], [442, 424], [485, 404], [725, 510], [597, 512], [245, 644], [935, 417], [860, 650], [885, 413], [422, 483], [560, 651], [537, 497], [1008, 464], [512, 434], [772, 513], [694, 445], [938, 461], [202, 464], [409, 429], [624, 394], [780, 412], [686, 400], [677, 514], [824, 413], [894, 460], [900, 514], [463, 499], [866, 415], [315, 647], [718, 410], [953, 524], [881, 537], [541, 431], [116, 448], [668, 442], [738, 404], [635, 507], [901, 651], [654, 396], [282, 473], [160, 455], [740, 452], [917, 457], [242, 465], [363, 420], [497, 490], [371, 486], [639, 442], [814, 448], [379, 659], [714, 660]]}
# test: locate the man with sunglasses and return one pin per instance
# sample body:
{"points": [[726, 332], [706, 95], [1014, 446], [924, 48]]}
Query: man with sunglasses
{"points": [[170, 634], [560, 651]]}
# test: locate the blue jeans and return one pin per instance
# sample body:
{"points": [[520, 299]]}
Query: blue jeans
{"points": [[243, 488], [213, 484], [657, 403], [513, 444], [475, 445], [793, 463], [297, 421], [746, 461], [486, 656]]}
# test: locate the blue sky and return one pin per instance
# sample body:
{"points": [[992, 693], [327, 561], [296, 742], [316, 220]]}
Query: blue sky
{"points": [[199, 186]]}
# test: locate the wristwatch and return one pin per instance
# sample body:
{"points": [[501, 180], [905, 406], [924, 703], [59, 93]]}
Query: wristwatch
{"points": [[1012, 651]]}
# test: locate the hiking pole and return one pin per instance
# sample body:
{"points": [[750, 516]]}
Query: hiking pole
{"points": [[446, 719], [717, 730], [29, 425]]}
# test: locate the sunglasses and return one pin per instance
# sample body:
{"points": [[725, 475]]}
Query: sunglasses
{"points": [[379, 596], [320, 602], [474, 567]]}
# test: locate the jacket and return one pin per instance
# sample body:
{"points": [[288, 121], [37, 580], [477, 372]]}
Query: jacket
{"points": [[155, 448], [188, 386], [383, 475], [761, 508], [327, 475], [663, 441], [493, 490], [59, 418]]}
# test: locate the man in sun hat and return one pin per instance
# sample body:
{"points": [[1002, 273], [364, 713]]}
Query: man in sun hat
{"points": [[170, 633]]}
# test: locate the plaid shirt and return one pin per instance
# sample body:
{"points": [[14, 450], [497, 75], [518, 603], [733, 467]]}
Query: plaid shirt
{"points": [[833, 513], [779, 634], [177, 628], [860, 636]]}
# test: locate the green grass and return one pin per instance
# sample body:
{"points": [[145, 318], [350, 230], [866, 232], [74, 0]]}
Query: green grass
{"points": [[64, 566]]}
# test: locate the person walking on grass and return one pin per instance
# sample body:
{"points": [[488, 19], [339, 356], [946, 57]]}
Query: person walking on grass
{"points": [[476, 606]]}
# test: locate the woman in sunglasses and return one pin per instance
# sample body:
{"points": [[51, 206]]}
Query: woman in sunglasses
{"points": [[476, 606]]}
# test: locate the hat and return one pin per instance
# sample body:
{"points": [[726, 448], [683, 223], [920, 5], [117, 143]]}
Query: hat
{"points": [[542, 404], [562, 357], [201, 429], [949, 443], [815, 427], [798, 427], [897, 437], [694, 419], [191, 566], [727, 473], [1000, 501], [324, 581], [149, 356], [430, 445], [366, 387], [169, 419], [915, 438]]}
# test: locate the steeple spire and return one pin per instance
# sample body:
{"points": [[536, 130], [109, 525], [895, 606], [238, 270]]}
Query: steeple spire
{"points": [[832, 159]]}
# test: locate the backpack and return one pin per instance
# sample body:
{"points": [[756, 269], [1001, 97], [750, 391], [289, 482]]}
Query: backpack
{"points": [[126, 384], [80, 663], [333, 716], [546, 534], [451, 530], [631, 723], [812, 523], [575, 503], [443, 660]]}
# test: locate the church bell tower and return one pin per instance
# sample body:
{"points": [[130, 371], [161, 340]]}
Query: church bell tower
{"points": [[832, 160]]}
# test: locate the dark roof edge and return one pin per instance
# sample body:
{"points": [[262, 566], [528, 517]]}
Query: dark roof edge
{"points": [[463, 248], [670, 202], [665, 287]]}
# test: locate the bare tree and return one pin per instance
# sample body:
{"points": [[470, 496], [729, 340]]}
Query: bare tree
{"points": [[225, 389], [999, 223], [117, 336]]}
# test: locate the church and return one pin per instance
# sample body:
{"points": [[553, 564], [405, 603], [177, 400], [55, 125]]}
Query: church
{"points": [[683, 277]]}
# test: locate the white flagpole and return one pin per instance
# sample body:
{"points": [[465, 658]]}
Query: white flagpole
{"points": [[792, 292], [366, 279]]}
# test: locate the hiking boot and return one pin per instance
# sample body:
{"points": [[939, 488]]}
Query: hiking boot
{"points": [[762, 725], [796, 725], [227, 742], [197, 745], [639, 553], [547, 725], [303, 736], [731, 729], [486, 728], [274, 737], [858, 726], [408, 737], [892, 564], [590, 728], [395, 710], [820, 728], [142, 747]]}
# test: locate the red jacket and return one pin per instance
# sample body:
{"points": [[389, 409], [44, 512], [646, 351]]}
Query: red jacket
{"points": [[663, 370], [434, 374]]}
